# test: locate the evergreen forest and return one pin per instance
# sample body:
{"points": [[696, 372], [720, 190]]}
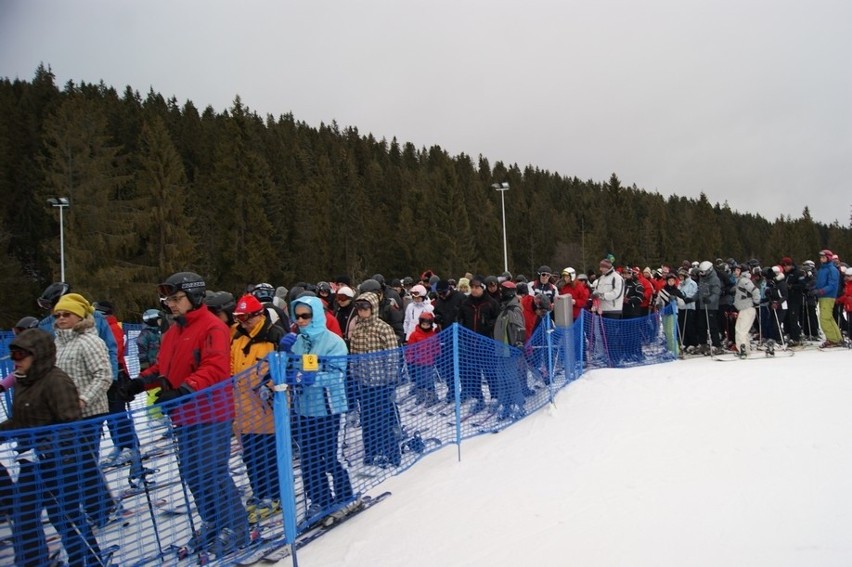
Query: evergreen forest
{"points": [[156, 187]]}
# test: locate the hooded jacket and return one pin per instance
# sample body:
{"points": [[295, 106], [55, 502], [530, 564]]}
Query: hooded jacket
{"points": [[327, 394], [371, 334], [83, 355], [248, 351], [45, 395]]}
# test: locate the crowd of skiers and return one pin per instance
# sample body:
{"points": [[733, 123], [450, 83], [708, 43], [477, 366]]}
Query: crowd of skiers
{"points": [[70, 366]]}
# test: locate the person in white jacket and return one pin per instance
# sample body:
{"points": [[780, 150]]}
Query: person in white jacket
{"points": [[419, 304], [746, 299]]}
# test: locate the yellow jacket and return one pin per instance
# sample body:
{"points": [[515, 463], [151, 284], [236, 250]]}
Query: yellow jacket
{"points": [[248, 351]]}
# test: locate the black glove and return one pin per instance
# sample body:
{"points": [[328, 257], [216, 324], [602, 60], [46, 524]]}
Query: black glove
{"points": [[167, 394], [689, 300], [128, 389]]}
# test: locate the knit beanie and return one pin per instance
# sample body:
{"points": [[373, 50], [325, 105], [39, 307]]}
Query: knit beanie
{"points": [[74, 303]]}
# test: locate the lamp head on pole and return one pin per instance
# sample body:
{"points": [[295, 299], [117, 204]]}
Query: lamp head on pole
{"points": [[504, 186], [59, 202]]}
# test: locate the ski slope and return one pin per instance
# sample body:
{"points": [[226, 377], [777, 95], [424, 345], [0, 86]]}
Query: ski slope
{"points": [[691, 463]]}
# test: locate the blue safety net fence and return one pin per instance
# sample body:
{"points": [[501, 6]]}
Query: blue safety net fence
{"points": [[243, 465]]}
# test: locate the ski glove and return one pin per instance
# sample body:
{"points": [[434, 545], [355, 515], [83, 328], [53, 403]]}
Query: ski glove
{"points": [[128, 389], [287, 342], [167, 394]]}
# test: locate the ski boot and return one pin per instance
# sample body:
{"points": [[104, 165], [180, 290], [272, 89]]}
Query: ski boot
{"points": [[743, 353], [770, 347]]}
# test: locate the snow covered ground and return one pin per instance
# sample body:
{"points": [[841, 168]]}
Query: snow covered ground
{"points": [[691, 463]]}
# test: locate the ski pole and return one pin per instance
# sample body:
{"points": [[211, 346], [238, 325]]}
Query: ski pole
{"points": [[137, 468]]}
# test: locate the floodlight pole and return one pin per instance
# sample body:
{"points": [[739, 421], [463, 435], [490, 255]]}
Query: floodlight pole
{"points": [[61, 203], [502, 188]]}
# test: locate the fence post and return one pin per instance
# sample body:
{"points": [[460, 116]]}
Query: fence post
{"points": [[457, 382], [548, 333], [284, 449]]}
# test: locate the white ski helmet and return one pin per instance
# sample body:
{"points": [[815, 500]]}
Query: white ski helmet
{"points": [[705, 267]]}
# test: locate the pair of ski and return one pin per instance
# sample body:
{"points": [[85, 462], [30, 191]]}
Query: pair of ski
{"points": [[281, 550], [769, 353]]}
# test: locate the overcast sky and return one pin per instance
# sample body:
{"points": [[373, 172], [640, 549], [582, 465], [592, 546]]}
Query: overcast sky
{"points": [[747, 101]]}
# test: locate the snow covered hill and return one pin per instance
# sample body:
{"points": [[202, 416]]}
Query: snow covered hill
{"points": [[687, 464]]}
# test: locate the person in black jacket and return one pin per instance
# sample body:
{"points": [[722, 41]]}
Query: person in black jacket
{"points": [[634, 293], [796, 290], [477, 312], [446, 310]]}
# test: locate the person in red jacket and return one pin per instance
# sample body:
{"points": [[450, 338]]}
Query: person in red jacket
{"points": [[194, 356], [577, 289], [125, 445], [845, 301], [421, 359], [648, 290]]}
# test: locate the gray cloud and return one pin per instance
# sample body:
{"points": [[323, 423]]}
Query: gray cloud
{"points": [[747, 102]]}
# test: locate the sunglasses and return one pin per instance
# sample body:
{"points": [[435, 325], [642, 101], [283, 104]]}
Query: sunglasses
{"points": [[19, 354], [544, 275], [305, 316], [426, 322], [363, 305], [343, 298], [62, 314], [415, 294]]}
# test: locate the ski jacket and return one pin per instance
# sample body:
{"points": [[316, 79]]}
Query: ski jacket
{"points": [[195, 354], [666, 295], [104, 332], [634, 294], [412, 315], [250, 369], [479, 314], [648, 289], [610, 288], [689, 288], [82, 355], [827, 280], [746, 294], [118, 335], [370, 335], [709, 290], [845, 299], [509, 327], [45, 395], [326, 395], [547, 289], [447, 309], [423, 346], [148, 345], [579, 293]]}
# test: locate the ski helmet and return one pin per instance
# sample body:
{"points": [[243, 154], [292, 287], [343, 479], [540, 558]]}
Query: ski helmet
{"points": [[220, 301], [151, 317], [264, 292], [51, 295], [25, 323], [370, 285], [705, 267], [188, 282], [829, 255]]}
